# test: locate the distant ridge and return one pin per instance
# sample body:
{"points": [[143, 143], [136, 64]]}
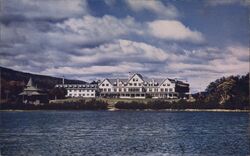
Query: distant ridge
{"points": [[10, 77]]}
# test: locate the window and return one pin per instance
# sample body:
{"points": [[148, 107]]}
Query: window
{"points": [[166, 90], [162, 90], [109, 90], [168, 84], [92, 94], [135, 84], [103, 84], [83, 94], [107, 84], [114, 90], [170, 89], [164, 84], [87, 90], [139, 84], [133, 79], [105, 89]]}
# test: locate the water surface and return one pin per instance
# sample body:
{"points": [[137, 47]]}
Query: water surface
{"points": [[124, 133]]}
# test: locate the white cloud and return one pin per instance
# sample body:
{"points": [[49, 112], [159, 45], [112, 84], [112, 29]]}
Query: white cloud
{"points": [[228, 2], [121, 68], [223, 64], [239, 51], [174, 30], [110, 2], [119, 51], [90, 29], [94, 29], [155, 6], [45, 8]]}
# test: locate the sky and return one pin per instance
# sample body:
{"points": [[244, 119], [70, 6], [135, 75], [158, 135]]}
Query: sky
{"points": [[197, 41]]}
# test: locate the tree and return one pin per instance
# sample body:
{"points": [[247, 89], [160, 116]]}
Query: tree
{"points": [[57, 93]]}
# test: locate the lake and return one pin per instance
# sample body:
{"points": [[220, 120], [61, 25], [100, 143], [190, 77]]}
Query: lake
{"points": [[124, 133]]}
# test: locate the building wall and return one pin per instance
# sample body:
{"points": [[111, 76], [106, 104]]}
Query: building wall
{"points": [[106, 86], [79, 92], [135, 87], [167, 86]]}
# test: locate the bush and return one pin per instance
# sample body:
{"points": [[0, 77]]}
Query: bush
{"points": [[130, 105], [78, 105]]}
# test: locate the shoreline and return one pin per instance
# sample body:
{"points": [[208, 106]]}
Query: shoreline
{"points": [[136, 110]]}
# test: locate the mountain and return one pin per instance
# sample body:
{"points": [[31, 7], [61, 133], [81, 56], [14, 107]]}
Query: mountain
{"points": [[13, 82]]}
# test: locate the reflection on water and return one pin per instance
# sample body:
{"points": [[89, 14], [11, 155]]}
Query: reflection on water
{"points": [[124, 133]]}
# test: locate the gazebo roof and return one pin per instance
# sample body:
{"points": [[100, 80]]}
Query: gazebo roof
{"points": [[31, 93], [31, 89]]}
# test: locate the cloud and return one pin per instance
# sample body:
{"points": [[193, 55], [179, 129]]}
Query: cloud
{"points": [[44, 9], [120, 51], [110, 2], [174, 30], [91, 29], [121, 68], [94, 29], [228, 2], [83, 46], [155, 6]]}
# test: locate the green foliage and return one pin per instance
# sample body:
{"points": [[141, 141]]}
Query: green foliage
{"points": [[230, 92], [13, 83], [130, 105], [78, 105], [57, 93]]}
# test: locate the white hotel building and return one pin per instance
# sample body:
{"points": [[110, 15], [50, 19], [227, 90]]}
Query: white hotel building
{"points": [[79, 90], [136, 86], [139, 87]]}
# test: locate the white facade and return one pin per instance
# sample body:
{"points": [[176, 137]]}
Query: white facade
{"points": [[138, 87], [80, 90], [135, 86]]}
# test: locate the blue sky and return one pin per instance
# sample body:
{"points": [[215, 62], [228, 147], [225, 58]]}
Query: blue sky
{"points": [[193, 40]]}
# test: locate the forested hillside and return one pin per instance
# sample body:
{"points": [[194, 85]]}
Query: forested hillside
{"points": [[228, 92], [13, 82]]}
